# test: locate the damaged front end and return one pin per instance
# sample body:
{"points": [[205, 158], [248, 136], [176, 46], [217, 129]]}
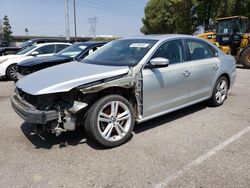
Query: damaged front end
{"points": [[64, 111], [55, 112]]}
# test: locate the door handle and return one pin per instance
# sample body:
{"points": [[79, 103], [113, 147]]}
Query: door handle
{"points": [[186, 73], [216, 67]]}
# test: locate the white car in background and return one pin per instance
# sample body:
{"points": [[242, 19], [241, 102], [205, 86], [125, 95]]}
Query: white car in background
{"points": [[8, 62]]}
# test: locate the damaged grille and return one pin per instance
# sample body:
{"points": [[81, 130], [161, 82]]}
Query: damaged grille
{"points": [[31, 99], [50, 101]]}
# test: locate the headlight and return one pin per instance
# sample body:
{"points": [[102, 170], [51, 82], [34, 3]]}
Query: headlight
{"points": [[211, 36]]}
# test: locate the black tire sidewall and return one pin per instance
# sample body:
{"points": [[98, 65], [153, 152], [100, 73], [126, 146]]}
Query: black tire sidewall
{"points": [[92, 125], [243, 59], [213, 101], [8, 72]]}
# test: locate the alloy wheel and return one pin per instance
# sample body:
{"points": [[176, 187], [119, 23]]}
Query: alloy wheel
{"points": [[114, 121], [221, 91]]}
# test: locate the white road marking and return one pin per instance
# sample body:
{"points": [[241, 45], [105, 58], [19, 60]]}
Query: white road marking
{"points": [[202, 158]]}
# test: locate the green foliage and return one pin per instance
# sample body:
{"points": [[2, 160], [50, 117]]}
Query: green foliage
{"points": [[168, 16], [108, 39], [186, 16], [6, 29]]}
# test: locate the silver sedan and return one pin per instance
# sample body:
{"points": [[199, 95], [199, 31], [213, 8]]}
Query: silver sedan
{"points": [[127, 81]]}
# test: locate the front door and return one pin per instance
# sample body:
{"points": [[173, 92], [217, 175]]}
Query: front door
{"points": [[166, 88]]}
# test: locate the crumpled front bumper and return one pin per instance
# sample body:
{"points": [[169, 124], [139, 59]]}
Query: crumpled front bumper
{"points": [[30, 114]]}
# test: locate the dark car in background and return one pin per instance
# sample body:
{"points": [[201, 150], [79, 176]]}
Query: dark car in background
{"points": [[75, 52], [9, 50], [14, 50]]}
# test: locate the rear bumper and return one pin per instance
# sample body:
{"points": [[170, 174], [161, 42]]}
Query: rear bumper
{"points": [[30, 114]]}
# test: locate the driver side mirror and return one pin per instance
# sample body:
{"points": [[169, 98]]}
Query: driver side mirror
{"points": [[34, 53], [159, 62]]}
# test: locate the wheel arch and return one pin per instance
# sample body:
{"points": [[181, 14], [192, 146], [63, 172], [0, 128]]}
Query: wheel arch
{"points": [[226, 75], [127, 93]]}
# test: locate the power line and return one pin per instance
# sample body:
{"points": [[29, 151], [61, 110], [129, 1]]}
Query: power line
{"points": [[113, 6], [105, 8]]}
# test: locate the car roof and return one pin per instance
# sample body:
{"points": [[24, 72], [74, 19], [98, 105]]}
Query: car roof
{"points": [[49, 43], [160, 36], [90, 43], [48, 39]]}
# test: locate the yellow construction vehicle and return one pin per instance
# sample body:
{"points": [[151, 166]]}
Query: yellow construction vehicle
{"points": [[232, 37]]}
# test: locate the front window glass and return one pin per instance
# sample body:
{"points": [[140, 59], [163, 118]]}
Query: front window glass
{"points": [[60, 47], [72, 51], [241, 27], [172, 50], [49, 49], [26, 50], [127, 52]]}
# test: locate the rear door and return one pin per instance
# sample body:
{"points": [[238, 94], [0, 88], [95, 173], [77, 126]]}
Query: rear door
{"points": [[204, 66], [47, 50], [60, 47]]}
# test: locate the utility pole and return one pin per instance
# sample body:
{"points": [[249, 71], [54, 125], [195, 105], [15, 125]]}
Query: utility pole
{"points": [[67, 35], [74, 2]]}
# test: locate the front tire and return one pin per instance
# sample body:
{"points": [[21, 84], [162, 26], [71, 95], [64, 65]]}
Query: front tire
{"points": [[11, 72], [219, 92], [110, 121]]}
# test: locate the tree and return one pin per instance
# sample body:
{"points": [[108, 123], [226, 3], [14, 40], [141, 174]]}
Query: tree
{"points": [[6, 30], [1, 29], [186, 16], [208, 10], [240, 7], [168, 16]]}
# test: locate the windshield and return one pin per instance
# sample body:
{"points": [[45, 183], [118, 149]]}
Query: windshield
{"points": [[72, 51], [25, 44], [127, 52], [232, 26], [24, 51], [225, 27]]}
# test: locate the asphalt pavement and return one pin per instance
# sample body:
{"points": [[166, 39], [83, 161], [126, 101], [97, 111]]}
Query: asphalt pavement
{"points": [[198, 146]]}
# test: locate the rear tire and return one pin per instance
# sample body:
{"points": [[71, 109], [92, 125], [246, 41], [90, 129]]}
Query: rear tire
{"points": [[245, 58], [219, 92], [110, 121], [11, 72]]}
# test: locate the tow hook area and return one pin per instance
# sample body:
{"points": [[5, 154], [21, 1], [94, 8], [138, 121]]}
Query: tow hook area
{"points": [[67, 120]]}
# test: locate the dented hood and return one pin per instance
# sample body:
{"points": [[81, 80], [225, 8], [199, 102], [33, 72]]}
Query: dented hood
{"points": [[62, 78]]}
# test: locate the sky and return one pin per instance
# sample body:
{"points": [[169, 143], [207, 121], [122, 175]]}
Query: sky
{"points": [[46, 17]]}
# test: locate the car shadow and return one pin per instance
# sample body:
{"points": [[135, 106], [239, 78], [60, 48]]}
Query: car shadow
{"points": [[79, 136], [238, 66], [4, 80], [48, 140]]}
